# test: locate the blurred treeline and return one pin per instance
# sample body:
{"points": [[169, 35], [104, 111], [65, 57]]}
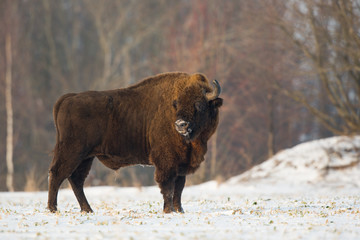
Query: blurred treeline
{"points": [[289, 70]]}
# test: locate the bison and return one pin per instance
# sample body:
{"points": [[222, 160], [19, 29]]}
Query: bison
{"points": [[164, 121]]}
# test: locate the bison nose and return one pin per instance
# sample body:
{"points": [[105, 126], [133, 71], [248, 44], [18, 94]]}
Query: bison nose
{"points": [[181, 124], [183, 127]]}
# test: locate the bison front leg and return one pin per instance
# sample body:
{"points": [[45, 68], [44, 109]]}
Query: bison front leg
{"points": [[166, 183], [179, 186]]}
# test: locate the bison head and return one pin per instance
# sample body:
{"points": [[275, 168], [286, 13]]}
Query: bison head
{"points": [[197, 110]]}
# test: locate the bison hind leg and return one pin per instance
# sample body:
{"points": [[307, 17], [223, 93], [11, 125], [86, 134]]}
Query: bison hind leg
{"points": [[77, 180], [54, 185], [57, 174], [64, 165]]}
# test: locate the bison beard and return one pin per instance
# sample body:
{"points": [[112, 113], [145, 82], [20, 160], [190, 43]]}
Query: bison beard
{"points": [[164, 121]]}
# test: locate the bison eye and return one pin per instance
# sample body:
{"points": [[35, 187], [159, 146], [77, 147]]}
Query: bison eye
{"points": [[200, 106], [175, 104]]}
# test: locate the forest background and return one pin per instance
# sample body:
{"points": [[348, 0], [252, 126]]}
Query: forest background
{"points": [[289, 70]]}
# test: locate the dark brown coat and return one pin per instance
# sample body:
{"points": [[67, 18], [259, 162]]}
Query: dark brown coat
{"points": [[164, 121]]}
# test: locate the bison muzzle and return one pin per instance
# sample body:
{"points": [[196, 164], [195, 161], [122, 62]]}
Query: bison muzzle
{"points": [[164, 121]]}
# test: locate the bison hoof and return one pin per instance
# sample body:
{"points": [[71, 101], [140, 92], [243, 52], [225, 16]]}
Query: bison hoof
{"points": [[179, 210], [88, 210], [52, 209], [169, 210]]}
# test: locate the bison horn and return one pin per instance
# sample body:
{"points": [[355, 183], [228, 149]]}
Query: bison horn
{"points": [[215, 93]]}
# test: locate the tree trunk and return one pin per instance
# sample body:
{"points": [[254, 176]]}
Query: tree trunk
{"points": [[9, 114], [271, 130]]}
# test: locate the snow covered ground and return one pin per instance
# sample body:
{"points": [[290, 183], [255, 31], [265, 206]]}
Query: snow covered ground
{"points": [[318, 199]]}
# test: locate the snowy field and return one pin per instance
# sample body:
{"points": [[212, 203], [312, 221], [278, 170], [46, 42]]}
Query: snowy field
{"points": [[212, 212], [255, 205]]}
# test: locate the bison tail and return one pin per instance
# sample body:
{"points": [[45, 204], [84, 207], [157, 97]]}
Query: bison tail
{"points": [[55, 113]]}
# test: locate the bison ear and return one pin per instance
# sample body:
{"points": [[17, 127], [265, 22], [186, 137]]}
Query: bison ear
{"points": [[217, 102], [175, 104]]}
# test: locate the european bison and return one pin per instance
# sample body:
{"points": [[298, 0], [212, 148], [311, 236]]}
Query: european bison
{"points": [[164, 121]]}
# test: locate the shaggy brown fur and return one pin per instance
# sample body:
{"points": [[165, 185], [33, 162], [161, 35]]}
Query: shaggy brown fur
{"points": [[134, 125]]}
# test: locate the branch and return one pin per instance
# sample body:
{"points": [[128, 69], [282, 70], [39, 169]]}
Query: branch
{"points": [[325, 119]]}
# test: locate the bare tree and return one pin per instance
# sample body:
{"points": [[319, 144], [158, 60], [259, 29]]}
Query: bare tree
{"points": [[119, 41], [9, 113], [326, 33]]}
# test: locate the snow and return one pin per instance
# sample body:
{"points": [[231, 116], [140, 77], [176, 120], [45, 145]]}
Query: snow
{"points": [[306, 192], [333, 162]]}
